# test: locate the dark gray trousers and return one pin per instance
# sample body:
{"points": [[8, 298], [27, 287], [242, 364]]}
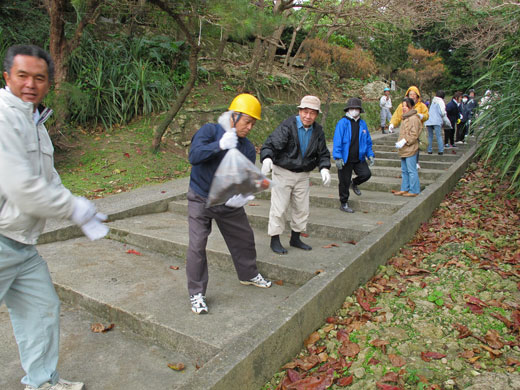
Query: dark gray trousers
{"points": [[235, 228]]}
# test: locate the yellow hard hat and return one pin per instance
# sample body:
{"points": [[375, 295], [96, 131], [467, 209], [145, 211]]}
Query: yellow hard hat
{"points": [[246, 104]]}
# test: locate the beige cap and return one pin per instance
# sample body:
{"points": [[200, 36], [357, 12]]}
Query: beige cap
{"points": [[311, 102]]}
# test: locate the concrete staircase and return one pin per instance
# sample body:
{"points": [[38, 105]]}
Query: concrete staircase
{"points": [[249, 332]]}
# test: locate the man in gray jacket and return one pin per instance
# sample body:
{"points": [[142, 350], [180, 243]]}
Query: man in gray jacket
{"points": [[30, 192]]}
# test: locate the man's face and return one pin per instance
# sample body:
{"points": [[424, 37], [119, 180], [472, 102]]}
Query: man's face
{"points": [[472, 95], [244, 125], [308, 116], [28, 78], [387, 93], [413, 96]]}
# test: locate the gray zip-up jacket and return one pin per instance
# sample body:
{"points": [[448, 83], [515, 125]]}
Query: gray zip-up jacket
{"points": [[30, 187]]}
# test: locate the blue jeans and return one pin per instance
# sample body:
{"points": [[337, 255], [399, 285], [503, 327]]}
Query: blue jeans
{"points": [[34, 308], [410, 177], [440, 143]]}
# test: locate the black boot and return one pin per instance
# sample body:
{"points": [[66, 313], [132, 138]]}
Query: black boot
{"points": [[297, 243], [383, 130], [276, 245]]}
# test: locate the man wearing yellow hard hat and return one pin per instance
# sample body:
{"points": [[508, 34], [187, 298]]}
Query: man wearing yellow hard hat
{"points": [[208, 147]]}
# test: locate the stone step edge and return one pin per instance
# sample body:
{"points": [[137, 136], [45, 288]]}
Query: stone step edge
{"points": [[160, 334], [260, 355], [221, 260]]}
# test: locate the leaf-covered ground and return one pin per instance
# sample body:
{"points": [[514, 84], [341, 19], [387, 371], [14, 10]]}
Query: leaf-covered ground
{"points": [[442, 314]]}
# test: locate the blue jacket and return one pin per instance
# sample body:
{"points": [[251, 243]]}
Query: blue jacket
{"points": [[205, 156], [342, 137]]}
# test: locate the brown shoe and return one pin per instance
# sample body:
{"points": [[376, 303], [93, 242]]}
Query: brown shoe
{"points": [[410, 195], [399, 193]]}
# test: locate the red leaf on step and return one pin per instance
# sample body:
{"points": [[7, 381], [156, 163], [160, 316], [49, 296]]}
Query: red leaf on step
{"points": [[428, 356], [133, 252]]}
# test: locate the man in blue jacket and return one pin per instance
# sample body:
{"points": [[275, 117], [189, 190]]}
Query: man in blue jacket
{"points": [[208, 147], [352, 145]]}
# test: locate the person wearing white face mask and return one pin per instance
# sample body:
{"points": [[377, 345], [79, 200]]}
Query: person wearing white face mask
{"points": [[352, 146], [465, 112]]}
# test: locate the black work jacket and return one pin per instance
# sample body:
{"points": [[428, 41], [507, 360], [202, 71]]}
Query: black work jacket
{"points": [[283, 147]]}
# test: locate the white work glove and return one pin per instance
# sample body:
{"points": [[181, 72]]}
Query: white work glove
{"points": [[390, 128], [84, 211], [239, 200], [95, 229], [229, 140], [325, 176], [371, 161], [267, 166], [421, 116], [400, 144]]}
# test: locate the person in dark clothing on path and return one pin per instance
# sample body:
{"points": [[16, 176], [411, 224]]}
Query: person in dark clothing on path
{"points": [[352, 145], [208, 147], [453, 113], [292, 151], [465, 115]]}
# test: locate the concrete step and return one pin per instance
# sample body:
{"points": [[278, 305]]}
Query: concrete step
{"points": [[370, 201], [167, 233], [143, 294], [449, 156], [119, 359], [324, 223], [440, 166], [376, 183], [388, 171]]}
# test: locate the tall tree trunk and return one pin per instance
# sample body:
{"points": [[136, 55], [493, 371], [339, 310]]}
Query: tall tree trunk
{"points": [[193, 64], [258, 53], [58, 44], [295, 33], [271, 52], [220, 51], [181, 98]]}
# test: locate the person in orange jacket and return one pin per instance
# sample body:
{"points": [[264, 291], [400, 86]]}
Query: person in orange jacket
{"points": [[420, 107]]}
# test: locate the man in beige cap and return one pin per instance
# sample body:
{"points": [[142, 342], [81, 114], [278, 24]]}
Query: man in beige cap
{"points": [[293, 149]]}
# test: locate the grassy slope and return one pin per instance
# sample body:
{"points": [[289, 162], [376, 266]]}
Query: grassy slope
{"points": [[443, 312]]}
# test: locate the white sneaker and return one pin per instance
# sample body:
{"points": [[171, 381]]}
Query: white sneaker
{"points": [[198, 304], [418, 166], [459, 142], [62, 384], [257, 281]]}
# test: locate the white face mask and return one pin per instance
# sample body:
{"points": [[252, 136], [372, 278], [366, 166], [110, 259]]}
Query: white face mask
{"points": [[464, 100], [354, 112]]}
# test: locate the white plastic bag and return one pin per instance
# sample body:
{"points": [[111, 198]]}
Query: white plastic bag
{"points": [[235, 175]]}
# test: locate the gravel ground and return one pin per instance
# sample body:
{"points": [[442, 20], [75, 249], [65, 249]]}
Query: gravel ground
{"points": [[443, 313]]}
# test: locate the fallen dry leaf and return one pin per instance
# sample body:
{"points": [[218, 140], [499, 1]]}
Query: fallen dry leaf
{"points": [[396, 360], [174, 267], [428, 356], [330, 246], [314, 336], [345, 381], [133, 252], [278, 282], [176, 366], [318, 271], [100, 328]]}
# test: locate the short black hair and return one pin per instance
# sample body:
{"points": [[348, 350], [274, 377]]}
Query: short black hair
{"points": [[28, 50], [440, 93], [409, 102]]}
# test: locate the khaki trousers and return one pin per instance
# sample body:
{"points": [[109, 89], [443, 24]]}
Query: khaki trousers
{"points": [[291, 193]]}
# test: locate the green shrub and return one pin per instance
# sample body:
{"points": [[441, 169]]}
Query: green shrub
{"points": [[115, 80]]}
